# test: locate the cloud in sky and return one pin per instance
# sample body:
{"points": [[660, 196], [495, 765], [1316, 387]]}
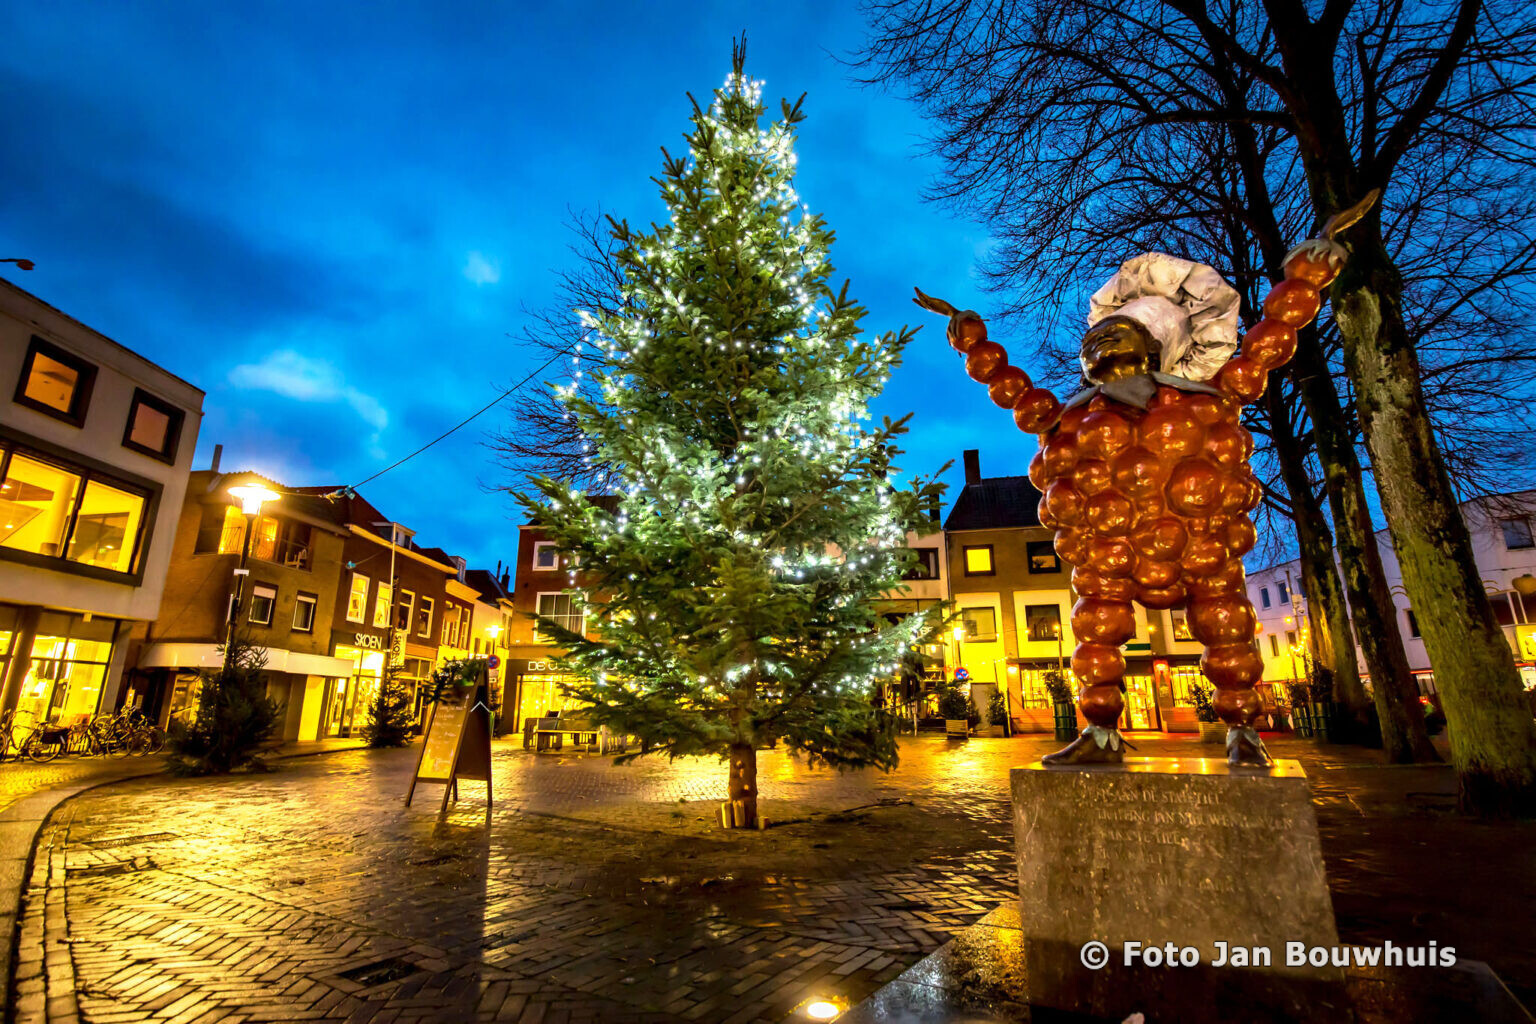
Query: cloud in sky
{"points": [[481, 270], [292, 375]]}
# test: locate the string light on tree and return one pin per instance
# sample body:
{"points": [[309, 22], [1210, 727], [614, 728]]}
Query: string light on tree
{"points": [[734, 573]]}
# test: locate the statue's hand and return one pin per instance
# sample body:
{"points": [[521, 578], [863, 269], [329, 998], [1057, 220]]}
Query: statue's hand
{"points": [[934, 305]]}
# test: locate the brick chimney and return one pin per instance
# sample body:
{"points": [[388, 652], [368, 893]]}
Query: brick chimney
{"points": [[972, 459]]}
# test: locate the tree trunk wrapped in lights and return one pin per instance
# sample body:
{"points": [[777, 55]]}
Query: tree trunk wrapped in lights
{"points": [[731, 582]]}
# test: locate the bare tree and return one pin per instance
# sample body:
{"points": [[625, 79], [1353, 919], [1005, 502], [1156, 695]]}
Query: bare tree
{"points": [[542, 438], [1050, 112]]}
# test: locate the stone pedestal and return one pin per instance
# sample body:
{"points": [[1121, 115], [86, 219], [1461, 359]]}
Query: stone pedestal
{"points": [[1189, 852]]}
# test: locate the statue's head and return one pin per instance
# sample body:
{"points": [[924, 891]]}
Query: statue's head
{"points": [[1117, 347]]}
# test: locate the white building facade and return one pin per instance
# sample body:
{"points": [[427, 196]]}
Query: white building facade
{"points": [[1504, 548], [95, 446]]}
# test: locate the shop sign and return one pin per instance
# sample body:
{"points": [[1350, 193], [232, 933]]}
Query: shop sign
{"points": [[1525, 639], [368, 640]]}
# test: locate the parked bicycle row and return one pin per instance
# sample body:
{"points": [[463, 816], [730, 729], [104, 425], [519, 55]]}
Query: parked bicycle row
{"points": [[110, 735]]}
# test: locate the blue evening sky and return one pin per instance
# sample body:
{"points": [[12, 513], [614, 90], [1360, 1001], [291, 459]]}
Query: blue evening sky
{"points": [[330, 217]]}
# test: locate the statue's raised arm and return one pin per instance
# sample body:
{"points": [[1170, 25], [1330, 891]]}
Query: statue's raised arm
{"points": [[987, 362]]}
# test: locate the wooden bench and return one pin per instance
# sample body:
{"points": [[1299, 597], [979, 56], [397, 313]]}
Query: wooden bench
{"points": [[550, 733]]}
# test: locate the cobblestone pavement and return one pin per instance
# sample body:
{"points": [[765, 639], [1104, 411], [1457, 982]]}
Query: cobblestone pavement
{"points": [[20, 779], [599, 893]]}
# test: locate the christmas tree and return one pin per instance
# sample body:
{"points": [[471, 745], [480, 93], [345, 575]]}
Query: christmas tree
{"points": [[389, 713], [731, 585]]}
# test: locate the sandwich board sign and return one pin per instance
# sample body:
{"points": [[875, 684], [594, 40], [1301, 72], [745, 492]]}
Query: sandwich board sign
{"points": [[457, 744]]}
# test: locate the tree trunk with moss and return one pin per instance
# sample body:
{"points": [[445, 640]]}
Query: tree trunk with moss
{"points": [[1493, 738], [1332, 646], [1403, 734]]}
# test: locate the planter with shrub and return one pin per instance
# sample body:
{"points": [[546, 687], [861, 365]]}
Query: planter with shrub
{"points": [[1063, 707], [1212, 728]]}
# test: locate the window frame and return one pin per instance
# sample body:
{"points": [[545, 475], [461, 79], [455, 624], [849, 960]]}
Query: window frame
{"points": [[362, 618], [1029, 557], [250, 607], [965, 560], [175, 414], [303, 598], [1029, 635], [538, 599], [410, 609], [79, 399], [979, 638], [428, 606], [1264, 597], [1412, 621], [1282, 592], [14, 442], [1525, 523], [384, 605], [545, 568]]}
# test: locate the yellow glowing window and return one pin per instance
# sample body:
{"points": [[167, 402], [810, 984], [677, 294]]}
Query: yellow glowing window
{"points": [[106, 527], [35, 504], [978, 561], [381, 605], [357, 600], [52, 383]]}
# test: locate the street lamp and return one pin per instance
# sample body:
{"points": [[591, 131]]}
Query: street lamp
{"points": [[20, 264], [251, 496]]}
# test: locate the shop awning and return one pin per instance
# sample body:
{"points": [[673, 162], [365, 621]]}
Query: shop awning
{"points": [[208, 656]]}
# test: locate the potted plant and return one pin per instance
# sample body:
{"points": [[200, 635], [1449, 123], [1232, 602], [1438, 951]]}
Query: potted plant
{"points": [[1327, 716], [956, 707], [1212, 729], [997, 713], [1063, 708], [1301, 707]]}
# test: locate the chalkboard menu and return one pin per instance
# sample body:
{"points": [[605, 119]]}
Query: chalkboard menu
{"points": [[457, 745]]}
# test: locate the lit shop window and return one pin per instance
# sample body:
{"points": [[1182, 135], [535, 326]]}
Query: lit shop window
{"points": [[154, 427], [55, 382], [64, 679]]}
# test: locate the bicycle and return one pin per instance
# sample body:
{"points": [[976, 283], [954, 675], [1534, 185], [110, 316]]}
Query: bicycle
{"points": [[141, 735], [41, 743]]}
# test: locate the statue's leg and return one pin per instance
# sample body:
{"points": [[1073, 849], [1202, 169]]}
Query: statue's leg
{"points": [[1101, 625], [1222, 618]]}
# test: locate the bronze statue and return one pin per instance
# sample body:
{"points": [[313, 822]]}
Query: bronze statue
{"points": [[1145, 473]]}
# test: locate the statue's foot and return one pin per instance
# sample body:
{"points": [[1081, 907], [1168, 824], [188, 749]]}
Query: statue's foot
{"points": [[1094, 745], [1245, 747]]}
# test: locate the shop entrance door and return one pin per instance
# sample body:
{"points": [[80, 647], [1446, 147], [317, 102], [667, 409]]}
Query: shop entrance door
{"points": [[1141, 703]]}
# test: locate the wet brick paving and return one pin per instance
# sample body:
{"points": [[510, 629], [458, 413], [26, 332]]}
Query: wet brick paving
{"points": [[599, 893]]}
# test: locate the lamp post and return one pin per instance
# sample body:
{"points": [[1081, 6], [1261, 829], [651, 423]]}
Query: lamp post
{"points": [[252, 497], [21, 264]]}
